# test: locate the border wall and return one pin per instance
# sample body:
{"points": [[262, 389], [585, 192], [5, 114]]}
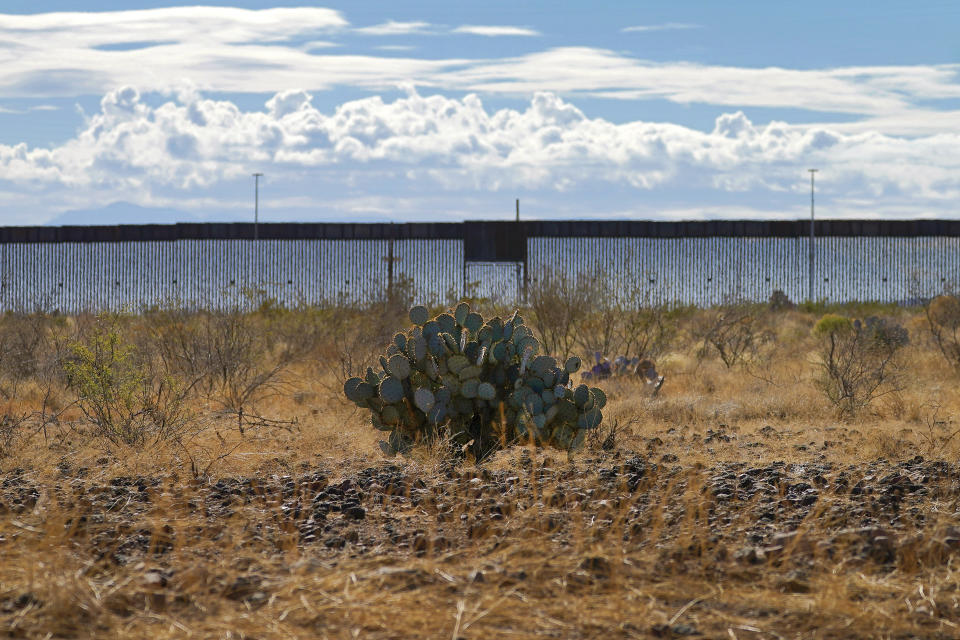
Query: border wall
{"points": [[132, 267]]}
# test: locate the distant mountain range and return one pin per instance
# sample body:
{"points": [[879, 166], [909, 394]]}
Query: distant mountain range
{"points": [[122, 213], [127, 213]]}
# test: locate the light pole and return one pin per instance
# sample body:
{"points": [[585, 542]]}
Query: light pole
{"points": [[810, 275], [256, 223]]}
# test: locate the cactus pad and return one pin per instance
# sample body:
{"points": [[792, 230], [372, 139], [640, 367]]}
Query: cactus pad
{"points": [[391, 390], [419, 315]]}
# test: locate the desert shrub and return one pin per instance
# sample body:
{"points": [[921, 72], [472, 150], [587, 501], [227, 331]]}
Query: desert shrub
{"points": [[561, 304], [349, 337], [858, 359], [126, 400], [735, 331], [479, 385], [628, 322], [231, 356], [780, 301], [25, 345], [943, 323]]}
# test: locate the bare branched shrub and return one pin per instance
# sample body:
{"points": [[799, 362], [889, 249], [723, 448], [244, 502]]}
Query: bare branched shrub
{"points": [[943, 322], [939, 430], [11, 429], [232, 356], [560, 304], [735, 331], [629, 323], [24, 344], [352, 336], [859, 360]]}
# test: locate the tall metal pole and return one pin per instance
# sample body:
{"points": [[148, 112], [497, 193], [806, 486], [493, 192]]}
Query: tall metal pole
{"points": [[256, 223], [810, 276], [517, 266]]}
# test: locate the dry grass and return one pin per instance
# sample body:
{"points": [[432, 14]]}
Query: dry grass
{"points": [[734, 505]]}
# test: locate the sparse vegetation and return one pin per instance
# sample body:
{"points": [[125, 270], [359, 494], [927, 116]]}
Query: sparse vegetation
{"points": [[943, 322], [730, 505], [859, 359]]}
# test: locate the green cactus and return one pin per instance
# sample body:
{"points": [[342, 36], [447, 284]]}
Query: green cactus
{"points": [[419, 315], [469, 388], [461, 312], [457, 376], [448, 324], [486, 391], [391, 390], [399, 366], [424, 399]]}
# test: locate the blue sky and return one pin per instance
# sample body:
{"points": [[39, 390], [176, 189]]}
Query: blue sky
{"points": [[142, 111]]}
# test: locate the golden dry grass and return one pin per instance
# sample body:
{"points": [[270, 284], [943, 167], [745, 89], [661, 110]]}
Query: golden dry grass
{"points": [[695, 523]]}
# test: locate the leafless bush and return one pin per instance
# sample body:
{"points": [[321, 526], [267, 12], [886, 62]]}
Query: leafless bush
{"points": [[560, 304], [735, 331], [943, 322], [11, 428], [25, 344], [625, 322], [939, 429], [231, 356]]}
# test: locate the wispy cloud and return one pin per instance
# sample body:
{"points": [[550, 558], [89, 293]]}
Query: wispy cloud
{"points": [[494, 31], [229, 50], [669, 26], [315, 45], [872, 91], [30, 109], [393, 28], [173, 24]]}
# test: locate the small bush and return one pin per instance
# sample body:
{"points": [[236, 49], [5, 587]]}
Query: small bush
{"points": [[561, 305], [628, 322], [943, 322], [117, 392], [734, 331], [858, 359], [780, 301], [231, 356]]}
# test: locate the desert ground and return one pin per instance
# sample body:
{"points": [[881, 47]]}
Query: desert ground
{"points": [[174, 474]]}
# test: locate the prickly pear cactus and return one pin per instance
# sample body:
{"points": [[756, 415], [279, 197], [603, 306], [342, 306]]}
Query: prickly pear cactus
{"points": [[482, 384]]}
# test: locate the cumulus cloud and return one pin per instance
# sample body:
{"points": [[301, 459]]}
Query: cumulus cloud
{"points": [[190, 143], [494, 31]]}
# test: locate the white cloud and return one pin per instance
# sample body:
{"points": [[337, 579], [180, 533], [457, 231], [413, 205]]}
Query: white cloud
{"points": [[393, 28], [571, 70], [418, 145], [237, 50], [30, 109], [173, 24], [493, 30], [669, 26]]}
